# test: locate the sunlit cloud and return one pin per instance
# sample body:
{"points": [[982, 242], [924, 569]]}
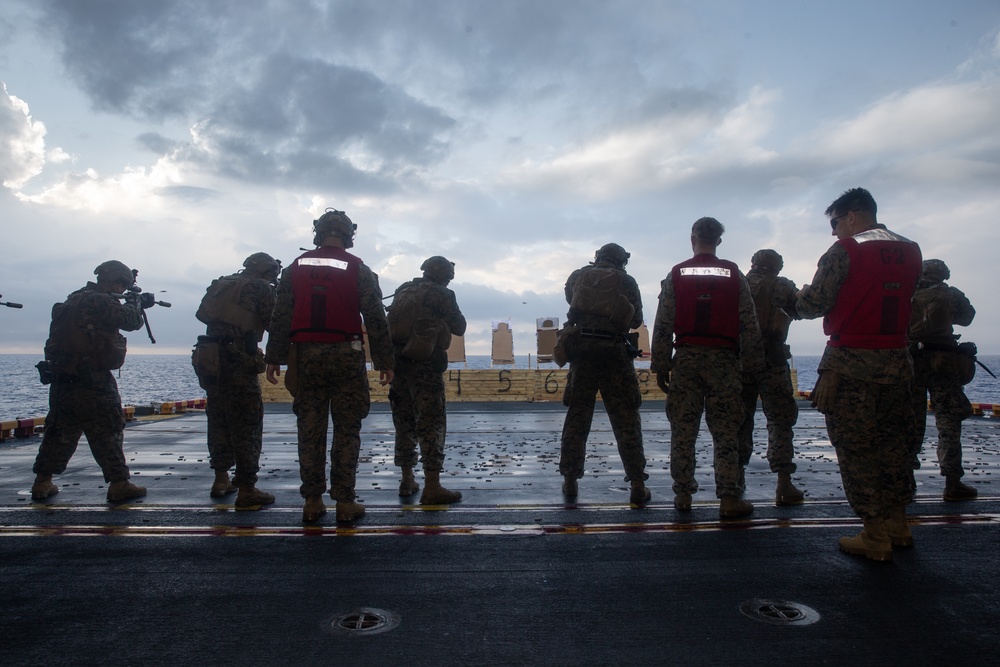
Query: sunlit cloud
{"points": [[22, 142], [656, 153], [913, 121]]}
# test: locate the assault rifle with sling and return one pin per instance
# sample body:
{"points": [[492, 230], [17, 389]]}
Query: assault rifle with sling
{"points": [[145, 300]]}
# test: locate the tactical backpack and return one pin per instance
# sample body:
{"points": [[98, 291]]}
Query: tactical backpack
{"points": [[73, 345], [409, 327], [774, 321], [930, 321], [221, 305], [598, 291]]}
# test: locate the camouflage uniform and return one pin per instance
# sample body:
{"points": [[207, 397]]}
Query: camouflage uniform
{"points": [[872, 416], [935, 367], [86, 400], [417, 395], [774, 383], [705, 379], [603, 365], [234, 409], [332, 379]]}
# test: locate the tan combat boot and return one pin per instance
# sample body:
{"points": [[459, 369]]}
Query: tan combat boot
{"points": [[786, 493], [955, 490], [349, 511], [682, 502], [43, 487], [124, 490], [313, 509], [570, 487], [434, 493], [872, 542], [898, 528], [734, 507], [251, 498], [640, 495], [408, 486], [222, 486]]}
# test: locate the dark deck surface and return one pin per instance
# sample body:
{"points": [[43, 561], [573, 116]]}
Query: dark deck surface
{"points": [[511, 575]]}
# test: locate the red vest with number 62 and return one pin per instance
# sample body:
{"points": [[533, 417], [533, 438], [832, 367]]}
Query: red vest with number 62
{"points": [[873, 305]]}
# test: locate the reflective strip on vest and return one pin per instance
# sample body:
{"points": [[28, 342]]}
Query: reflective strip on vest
{"points": [[323, 261], [716, 271], [707, 297]]}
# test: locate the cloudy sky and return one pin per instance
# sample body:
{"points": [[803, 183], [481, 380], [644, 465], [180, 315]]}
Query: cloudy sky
{"points": [[515, 138]]}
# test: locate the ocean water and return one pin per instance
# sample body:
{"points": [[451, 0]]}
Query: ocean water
{"points": [[148, 379]]}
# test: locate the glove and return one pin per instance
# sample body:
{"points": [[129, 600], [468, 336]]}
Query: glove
{"points": [[663, 382], [824, 394], [147, 300], [131, 298]]}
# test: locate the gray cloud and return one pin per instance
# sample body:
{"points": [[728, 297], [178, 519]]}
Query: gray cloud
{"points": [[132, 57], [274, 117], [156, 143], [311, 104]]}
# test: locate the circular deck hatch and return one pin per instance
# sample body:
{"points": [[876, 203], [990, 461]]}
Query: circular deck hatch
{"points": [[363, 621], [779, 612]]}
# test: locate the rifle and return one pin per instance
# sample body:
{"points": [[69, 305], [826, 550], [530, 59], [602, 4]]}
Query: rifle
{"points": [[145, 299], [10, 304], [986, 369]]}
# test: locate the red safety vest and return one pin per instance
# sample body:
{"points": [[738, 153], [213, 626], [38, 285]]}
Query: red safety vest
{"points": [[873, 305], [707, 294], [325, 292]]}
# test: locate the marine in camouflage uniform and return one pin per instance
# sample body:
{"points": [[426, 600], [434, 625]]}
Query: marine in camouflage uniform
{"points": [[774, 299], [330, 377], [864, 382], [234, 410], [936, 358], [417, 396], [705, 377], [601, 361], [83, 396]]}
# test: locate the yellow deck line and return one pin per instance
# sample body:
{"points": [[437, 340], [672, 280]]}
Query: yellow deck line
{"points": [[471, 529]]}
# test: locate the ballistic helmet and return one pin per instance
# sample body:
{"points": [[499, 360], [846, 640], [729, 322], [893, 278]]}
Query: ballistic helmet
{"points": [[934, 271], [767, 260], [438, 269], [613, 254], [113, 271], [262, 263], [335, 223]]}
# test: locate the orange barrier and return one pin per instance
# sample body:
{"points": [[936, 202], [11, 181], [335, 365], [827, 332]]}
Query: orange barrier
{"points": [[177, 407], [21, 428], [979, 408]]}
